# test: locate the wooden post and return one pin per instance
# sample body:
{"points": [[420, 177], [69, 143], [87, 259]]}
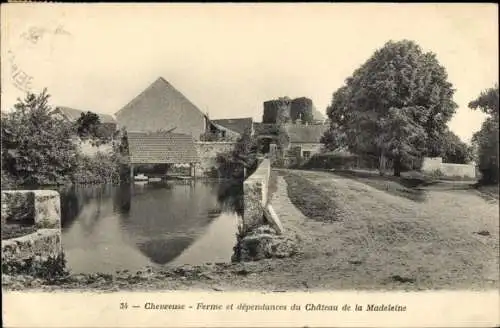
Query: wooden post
{"points": [[131, 172]]}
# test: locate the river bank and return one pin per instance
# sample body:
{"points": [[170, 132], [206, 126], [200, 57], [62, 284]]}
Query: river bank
{"points": [[369, 240]]}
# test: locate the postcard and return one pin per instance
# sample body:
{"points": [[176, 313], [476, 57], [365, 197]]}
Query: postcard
{"points": [[249, 165]]}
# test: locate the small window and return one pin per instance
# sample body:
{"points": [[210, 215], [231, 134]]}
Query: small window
{"points": [[306, 154]]}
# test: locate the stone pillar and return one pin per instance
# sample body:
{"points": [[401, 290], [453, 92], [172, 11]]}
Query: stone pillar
{"points": [[42, 210]]}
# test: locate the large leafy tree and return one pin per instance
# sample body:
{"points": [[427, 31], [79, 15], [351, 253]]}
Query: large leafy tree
{"points": [[486, 139], [37, 147], [399, 84]]}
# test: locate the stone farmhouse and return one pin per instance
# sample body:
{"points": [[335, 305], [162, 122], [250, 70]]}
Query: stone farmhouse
{"points": [[165, 127], [161, 107]]}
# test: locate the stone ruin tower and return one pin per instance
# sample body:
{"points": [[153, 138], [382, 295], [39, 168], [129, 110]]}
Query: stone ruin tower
{"points": [[277, 111], [301, 109], [285, 110]]}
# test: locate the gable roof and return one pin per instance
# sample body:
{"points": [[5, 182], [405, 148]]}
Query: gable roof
{"points": [[238, 125], [73, 114], [161, 106], [310, 133], [161, 147]]}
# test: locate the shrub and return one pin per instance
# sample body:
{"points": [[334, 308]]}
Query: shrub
{"points": [[101, 168], [436, 174], [37, 147], [331, 160]]}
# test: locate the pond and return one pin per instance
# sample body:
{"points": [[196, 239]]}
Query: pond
{"points": [[108, 228]]}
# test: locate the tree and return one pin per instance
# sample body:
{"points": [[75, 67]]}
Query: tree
{"points": [[455, 150], [401, 138], [242, 158], [334, 138], [87, 125], [399, 82], [37, 147], [486, 139]]}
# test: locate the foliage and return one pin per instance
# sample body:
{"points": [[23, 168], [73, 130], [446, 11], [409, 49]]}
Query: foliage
{"points": [[101, 168], [395, 105], [400, 138], [334, 138], [242, 158], [455, 150], [486, 139], [331, 160], [37, 147], [89, 126]]}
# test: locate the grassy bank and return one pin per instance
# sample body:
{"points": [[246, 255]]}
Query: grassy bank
{"points": [[310, 199], [406, 187], [489, 192]]}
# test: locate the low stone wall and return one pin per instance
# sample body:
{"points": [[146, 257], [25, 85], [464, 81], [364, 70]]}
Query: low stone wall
{"points": [[207, 152], [261, 232], [433, 164], [255, 192], [40, 209]]}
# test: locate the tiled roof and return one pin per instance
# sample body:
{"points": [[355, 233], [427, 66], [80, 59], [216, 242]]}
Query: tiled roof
{"points": [[73, 114], [238, 125], [159, 148], [306, 133]]}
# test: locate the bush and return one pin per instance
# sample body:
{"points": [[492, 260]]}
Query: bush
{"points": [[101, 168], [331, 160], [436, 174], [232, 165], [37, 148]]}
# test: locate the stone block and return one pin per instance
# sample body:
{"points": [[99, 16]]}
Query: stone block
{"points": [[43, 243], [41, 208], [263, 243]]}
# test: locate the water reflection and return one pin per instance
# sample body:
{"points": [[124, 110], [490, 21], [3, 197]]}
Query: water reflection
{"points": [[108, 228]]}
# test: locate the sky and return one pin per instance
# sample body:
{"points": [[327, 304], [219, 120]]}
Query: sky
{"points": [[230, 58]]}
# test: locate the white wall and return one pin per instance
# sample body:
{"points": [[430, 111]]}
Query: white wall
{"points": [[431, 164]]}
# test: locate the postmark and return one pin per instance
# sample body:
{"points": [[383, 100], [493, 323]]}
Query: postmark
{"points": [[34, 35]]}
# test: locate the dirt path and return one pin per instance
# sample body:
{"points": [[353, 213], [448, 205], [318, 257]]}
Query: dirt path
{"points": [[389, 241]]}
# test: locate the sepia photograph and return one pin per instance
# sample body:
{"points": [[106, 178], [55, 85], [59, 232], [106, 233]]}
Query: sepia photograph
{"points": [[269, 148]]}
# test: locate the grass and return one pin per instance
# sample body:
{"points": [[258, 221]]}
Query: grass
{"points": [[488, 192], [407, 187], [310, 199]]}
